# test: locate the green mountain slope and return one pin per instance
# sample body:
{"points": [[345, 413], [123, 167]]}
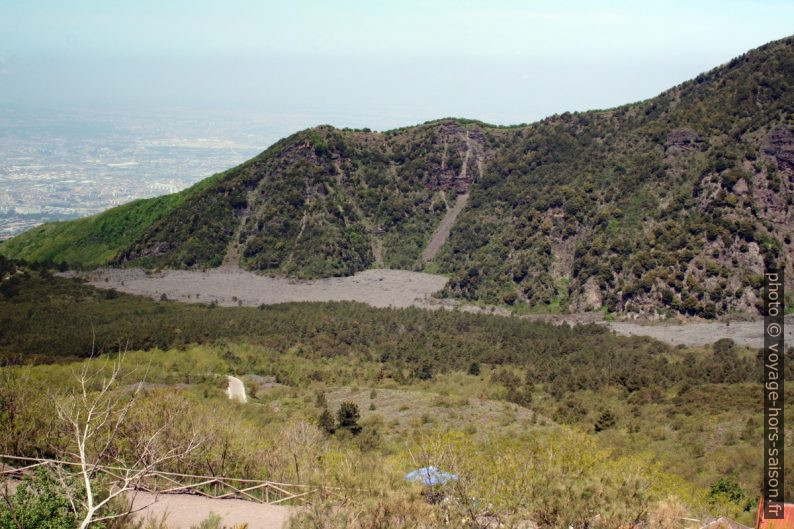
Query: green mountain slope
{"points": [[675, 203], [98, 239]]}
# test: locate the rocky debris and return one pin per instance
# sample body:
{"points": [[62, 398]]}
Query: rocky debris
{"points": [[469, 145], [682, 139], [780, 145], [396, 288], [697, 333], [477, 136], [450, 128], [154, 250], [260, 385], [591, 297], [233, 287], [443, 229], [259, 379], [740, 187]]}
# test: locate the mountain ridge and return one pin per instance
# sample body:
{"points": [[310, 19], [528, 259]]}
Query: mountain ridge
{"points": [[675, 203]]}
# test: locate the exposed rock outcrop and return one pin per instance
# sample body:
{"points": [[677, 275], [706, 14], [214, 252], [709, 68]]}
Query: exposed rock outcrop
{"points": [[780, 145], [682, 140]]}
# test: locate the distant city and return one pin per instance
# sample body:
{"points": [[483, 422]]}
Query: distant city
{"points": [[66, 165]]}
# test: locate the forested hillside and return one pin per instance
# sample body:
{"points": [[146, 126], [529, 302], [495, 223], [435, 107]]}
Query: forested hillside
{"points": [[685, 421], [673, 204]]}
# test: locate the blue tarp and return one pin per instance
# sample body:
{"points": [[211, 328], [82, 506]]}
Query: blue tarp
{"points": [[430, 476]]}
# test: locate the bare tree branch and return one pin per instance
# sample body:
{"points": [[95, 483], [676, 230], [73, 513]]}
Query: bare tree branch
{"points": [[95, 417]]}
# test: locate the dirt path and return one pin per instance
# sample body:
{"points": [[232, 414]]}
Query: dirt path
{"points": [[184, 511], [236, 389]]}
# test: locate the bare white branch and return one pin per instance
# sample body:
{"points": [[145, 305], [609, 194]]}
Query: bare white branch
{"points": [[94, 416]]}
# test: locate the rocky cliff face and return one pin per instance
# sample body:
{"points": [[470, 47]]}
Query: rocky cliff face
{"points": [[780, 145]]}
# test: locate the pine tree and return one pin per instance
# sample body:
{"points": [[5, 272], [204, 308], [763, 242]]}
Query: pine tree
{"points": [[347, 418]]}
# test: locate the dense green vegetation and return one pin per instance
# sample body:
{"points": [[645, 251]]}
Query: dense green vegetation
{"points": [[41, 503], [674, 204], [49, 317], [690, 448], [273, 437], [690, 413], [642, 202]]}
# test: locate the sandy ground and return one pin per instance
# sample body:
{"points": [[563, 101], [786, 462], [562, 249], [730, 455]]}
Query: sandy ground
{"points": [[388, 288], [693, 333], [379, 288], [749, 333], [184, 511]]}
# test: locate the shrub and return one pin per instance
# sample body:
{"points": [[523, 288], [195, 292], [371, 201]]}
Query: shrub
{"points": [[213, 521], [605, 421], [326, 422], [726, 489], [724, 347], [347, 418], [39, 503]]}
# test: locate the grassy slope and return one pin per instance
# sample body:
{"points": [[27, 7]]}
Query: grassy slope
{"points": [[97, 239], [510, 459]]}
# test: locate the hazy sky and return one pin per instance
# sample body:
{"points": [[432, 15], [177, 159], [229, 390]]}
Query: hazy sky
{"points": [[380, 64]]}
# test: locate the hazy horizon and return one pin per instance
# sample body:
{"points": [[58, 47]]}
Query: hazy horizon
{"points": [[354, 64], [102, 103]]}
